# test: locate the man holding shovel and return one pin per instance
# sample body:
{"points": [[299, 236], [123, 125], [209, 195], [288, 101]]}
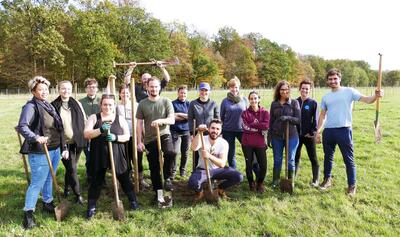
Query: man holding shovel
{"points": [[152, 112], [215, 150], [336, 117]]}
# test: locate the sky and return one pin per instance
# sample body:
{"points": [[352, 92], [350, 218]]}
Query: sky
{"points": [[340, 29]]}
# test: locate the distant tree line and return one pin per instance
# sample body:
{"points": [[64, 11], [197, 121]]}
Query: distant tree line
{"points": [[65, 40]]}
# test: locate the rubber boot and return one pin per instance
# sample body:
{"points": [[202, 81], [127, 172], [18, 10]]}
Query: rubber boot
{"points": [[276, 174], [91, 208], [28, 221], [132, 200]]}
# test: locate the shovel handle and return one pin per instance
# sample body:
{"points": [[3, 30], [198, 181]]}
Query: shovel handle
{"points": [[287, 149], [160, 155], [53, 174], [379, 84], [194, 152], [205, 162], [114, 178], [134, 138], [24, 160]]}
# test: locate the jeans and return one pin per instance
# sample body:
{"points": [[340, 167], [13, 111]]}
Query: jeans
{"points": [[343, 138], [154, 164], [228, 175], [230, 138], [181, 144], [278, 145], [41, 180]]}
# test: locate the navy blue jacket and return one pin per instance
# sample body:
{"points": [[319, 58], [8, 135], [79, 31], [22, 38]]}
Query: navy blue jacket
{"points": [[309, 116]]}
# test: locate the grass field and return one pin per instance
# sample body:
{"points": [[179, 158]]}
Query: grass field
{"points": [[309, 212]]}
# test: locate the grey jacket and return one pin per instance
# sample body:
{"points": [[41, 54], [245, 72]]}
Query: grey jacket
{"points": [[202, 112]]}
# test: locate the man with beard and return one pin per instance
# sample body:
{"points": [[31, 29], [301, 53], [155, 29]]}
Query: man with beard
{"points": [[216, 151], [156, 111], [336, 115]]}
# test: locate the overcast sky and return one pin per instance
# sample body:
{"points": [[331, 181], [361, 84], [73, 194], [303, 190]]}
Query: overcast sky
{"points": [[340, 29]]}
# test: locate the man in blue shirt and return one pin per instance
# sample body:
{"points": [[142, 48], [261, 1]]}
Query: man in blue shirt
{"points": [[180, 130], [336, 108]]}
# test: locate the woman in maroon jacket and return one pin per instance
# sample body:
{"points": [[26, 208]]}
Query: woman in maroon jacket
{"points": [[255, 124]]}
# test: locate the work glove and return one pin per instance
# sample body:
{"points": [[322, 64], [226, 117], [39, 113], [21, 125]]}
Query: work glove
{"points": [[111, 137], [105, 127]]}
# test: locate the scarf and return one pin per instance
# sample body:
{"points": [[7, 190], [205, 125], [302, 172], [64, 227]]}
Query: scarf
{"points": [[234, 98], [51, 111]]}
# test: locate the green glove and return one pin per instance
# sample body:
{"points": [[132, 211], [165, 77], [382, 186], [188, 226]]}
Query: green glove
{"points": [[111, 137], [105, 127]]}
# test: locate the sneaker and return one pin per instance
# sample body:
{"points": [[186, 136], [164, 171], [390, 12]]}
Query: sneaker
{"points": [[28, 221], [351, 191], [314, 184], [327, 183], [79, 200], [168, 185], [49, 207], [90, 213]]}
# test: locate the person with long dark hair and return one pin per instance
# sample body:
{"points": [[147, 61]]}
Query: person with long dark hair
{"points": [[40, 125], [283, 110], [255, 124]]}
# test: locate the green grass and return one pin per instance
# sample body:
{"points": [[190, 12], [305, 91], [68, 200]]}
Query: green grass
{"points": [[309, 212]]}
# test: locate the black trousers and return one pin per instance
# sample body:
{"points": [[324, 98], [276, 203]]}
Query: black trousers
{"points": [[261, 156], [129, 157], [309, 143], [98, 179], [154, 164], [70, 164]]}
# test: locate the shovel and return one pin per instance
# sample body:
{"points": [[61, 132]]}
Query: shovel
{"points": [[211, 195], [164, 197], [62, 208], [23, 158], [194, 152], [378, 132], [116, 206], [286, 183]]}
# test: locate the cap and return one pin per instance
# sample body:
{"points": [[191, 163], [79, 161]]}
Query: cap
{"points": [[204, 85]]}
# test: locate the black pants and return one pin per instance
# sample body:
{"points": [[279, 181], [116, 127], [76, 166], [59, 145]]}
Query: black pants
{"points": [[98, 179], [129, 157], [154, 165], [311, 151], [181, 144], [261, 156], [70, 164]]}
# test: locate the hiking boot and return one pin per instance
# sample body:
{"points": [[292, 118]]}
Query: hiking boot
{"points": [[49, 207], [168, 185], [260, 187], [28, 222], [199, 196], [327, 183], [275, 178], [222, 194], [252, 186], [351, 191]]}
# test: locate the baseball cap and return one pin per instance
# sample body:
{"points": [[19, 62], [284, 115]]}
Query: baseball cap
{"points": [[204, 85]]}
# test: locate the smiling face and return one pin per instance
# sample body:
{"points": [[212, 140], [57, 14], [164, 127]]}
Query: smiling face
{"points": [[334, 81], [204, 94], [284, 92], [107, 106], [254, 100], [305, 91], [234, 89], [41, 91], [125, 95], [214, 131], [182, 94], [65, 90], [153, 88]]}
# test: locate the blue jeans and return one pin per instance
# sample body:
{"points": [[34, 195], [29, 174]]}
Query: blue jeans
{"points": [[230, 138], [228, 175], [278, 147], [343, 138], [41, 179]]}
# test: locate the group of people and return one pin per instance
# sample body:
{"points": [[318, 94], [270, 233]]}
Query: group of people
{"points": [[67, 127]]}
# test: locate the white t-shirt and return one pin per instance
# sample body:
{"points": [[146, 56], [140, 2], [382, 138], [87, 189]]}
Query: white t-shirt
{"points": [[220, 146]]}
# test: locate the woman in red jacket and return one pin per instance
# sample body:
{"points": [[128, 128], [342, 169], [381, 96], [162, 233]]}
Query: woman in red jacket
{"points": [[255, 124]]}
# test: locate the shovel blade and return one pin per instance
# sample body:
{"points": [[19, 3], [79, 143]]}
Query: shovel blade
{"points": [[164, 199], [61, 211], [117, 210], [286, 186], [211, 197]]}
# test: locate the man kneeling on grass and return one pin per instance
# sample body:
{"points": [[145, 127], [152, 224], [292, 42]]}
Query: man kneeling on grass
{"points": [[216, 151]]}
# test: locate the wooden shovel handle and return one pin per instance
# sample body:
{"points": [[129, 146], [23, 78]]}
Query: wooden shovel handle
{"points": [[205, 162], [53, 174], [24, 160], [134, 138], [379, 82], [114, 176], [287, 149], [160, 155]]}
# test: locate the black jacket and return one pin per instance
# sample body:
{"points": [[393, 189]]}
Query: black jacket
{"points": [[309, 116]]}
